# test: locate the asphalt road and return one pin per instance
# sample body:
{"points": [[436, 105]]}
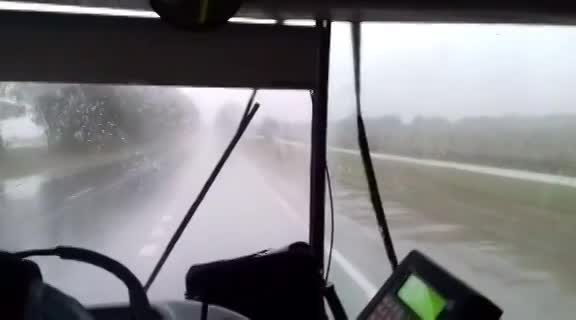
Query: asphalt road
{"points": [[129, 208]]}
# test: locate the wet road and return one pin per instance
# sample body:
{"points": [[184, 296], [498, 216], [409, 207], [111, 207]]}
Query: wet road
{"points": [[128, 209]]}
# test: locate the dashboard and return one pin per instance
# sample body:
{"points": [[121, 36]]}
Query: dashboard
{"points": [[170, 310]]}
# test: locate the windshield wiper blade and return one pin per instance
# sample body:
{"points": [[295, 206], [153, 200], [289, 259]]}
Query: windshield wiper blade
{"points": [[248, 115]]}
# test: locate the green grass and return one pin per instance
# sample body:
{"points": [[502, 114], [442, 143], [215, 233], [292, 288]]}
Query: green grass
{"points": [[531, 223]]}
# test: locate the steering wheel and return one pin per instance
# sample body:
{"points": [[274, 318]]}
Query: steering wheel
{"points": [[139, 305]]}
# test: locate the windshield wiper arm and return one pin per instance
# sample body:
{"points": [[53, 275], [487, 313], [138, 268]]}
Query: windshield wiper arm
{"points": [[248, 115]]}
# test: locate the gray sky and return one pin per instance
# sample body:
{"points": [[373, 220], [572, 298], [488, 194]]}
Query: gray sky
{"points": [[290, 105], [448, 70], [459, 70]]}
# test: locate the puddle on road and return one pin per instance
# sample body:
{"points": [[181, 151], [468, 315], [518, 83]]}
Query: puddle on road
{"points": [[21, 201], [22, 188]]}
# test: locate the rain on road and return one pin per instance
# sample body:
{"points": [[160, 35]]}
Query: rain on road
{"points": [[129, 208]]}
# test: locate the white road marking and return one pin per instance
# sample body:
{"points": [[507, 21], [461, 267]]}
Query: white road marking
{"points": [[354, 272], [429, 229], [148, 250], [79, 193], [158, 232], [367, 287]]}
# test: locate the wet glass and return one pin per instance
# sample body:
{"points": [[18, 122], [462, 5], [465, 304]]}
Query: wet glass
{"points": [[115, 168], [472, 132]]}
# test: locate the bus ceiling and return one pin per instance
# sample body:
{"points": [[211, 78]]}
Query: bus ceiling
{"points": [[489, 11], [90, 48], [86, 48]]}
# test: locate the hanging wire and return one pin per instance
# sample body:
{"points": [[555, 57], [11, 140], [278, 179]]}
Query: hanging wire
{"points": [[331, 202], [365, 153]]}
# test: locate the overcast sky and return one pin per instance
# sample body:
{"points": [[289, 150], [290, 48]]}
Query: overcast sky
{"points": [[460, 70], [448, 70], [289, 105]]}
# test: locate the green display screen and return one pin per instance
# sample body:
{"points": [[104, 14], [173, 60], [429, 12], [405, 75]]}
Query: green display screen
{"points": [[422, 299]]}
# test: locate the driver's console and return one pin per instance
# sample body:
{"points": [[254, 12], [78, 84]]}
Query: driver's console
{"points": [[282, 284], [278, 285], [173, 310]]}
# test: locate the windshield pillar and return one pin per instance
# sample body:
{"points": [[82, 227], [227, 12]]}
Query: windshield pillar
{"points": [[318, 145]]}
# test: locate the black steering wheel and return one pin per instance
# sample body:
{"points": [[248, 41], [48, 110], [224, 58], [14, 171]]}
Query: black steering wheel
{"points": [[139, 304]]}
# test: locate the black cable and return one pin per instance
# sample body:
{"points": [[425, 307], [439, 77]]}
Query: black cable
{"points": [[331, 201], [333, 301], [244, 122], [365, 153]]}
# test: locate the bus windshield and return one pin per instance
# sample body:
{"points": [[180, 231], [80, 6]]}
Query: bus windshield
{"points": [[471, 128], [114, 168], [472, 132]]}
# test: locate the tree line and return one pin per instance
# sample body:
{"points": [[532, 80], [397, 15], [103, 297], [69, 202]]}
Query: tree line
{"points": [[536, 143], [94, 117]]}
